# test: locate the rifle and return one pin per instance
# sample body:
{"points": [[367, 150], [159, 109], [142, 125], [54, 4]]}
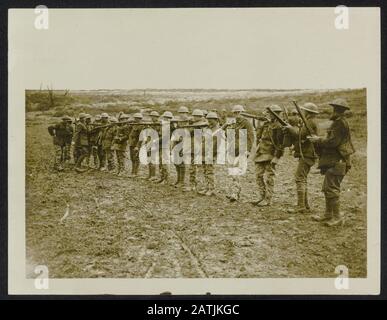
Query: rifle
{"points": [[316, 150], [281, 121], [286, 113], [303, 118], [201, 124], [253, 116]]}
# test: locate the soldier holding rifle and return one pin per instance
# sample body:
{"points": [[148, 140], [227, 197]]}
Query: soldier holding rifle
{"points": [[135, 143], [120, 143], [271, 143], [242, 127], [304, 151]]}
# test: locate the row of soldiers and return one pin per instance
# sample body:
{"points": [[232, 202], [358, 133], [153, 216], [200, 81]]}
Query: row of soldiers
{"points": [[107, 137]]}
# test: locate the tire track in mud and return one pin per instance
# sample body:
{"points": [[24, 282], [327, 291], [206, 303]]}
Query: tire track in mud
{"points": [[172, 243]]}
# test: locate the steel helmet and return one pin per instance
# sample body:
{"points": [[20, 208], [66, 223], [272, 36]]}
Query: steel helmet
{"points": [[82, 115], [275, 108], [97, 117], [310, 107], [66, 118], [341, 103], [183, 109], [104, 115], [154, 114], [198, 112], [167, 114], [113, 119], [238, 108], [212, 115], [138, 115], [87, 116], [124, 116]]}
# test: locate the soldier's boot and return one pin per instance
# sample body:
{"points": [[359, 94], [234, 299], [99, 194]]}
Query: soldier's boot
{"points": [[204, 190], [328, 212], [133, 173], [78, 165], [307, 206], [182, 177], [153, 179], [301, 199], [261, 197], [337, 216], [152, 173], [210, 190], [266, 202], [178, 178]]}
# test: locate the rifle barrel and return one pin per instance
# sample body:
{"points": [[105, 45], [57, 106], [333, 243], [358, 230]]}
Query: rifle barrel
{"points": [[302, 118], [280, 120]]}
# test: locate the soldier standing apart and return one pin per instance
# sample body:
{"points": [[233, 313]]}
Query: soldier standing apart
{"points": [[62, 134], [197, 117], [135, 143], [120, 143], [242, 126], [334, 162], [81, 142], [305, 152], [270, 138], [209, 166], [107, 136]]}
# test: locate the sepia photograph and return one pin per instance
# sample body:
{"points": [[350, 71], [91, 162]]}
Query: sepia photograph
{"points": [[194, 150]]}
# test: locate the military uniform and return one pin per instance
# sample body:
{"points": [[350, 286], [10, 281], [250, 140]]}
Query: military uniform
{"points": [[306, 154], [240, 124], [107, 136], [270, 140], [81, 140], [334, 163], [134, 147], [62, 134], [93, 140], [180, 168], [194, 166], [120, 144], [209, 166]]}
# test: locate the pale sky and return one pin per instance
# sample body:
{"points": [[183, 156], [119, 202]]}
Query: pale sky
{"points": [[195, 48]]}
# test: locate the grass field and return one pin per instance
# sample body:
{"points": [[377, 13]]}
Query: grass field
{"points": [[121, 227]]}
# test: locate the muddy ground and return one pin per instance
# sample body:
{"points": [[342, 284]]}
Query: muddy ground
{"points": [[130, 228]]}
